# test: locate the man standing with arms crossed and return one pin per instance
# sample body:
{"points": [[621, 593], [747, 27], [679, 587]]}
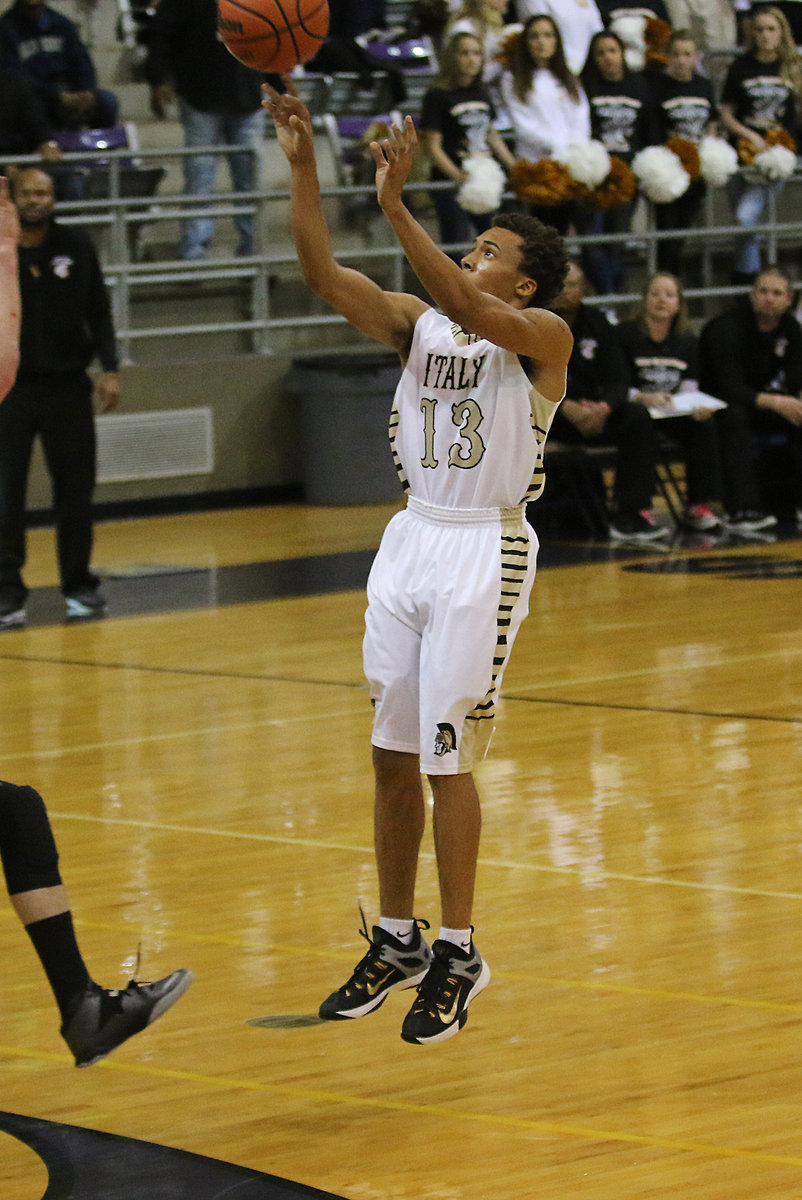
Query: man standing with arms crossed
{"points": [[450, 584]]}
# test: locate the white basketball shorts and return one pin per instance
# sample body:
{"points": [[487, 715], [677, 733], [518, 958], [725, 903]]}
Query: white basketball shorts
{"points": [[447, 593]]}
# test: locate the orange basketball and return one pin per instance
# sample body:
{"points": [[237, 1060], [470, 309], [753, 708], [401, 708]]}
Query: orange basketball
{"points": [[273, 35]]}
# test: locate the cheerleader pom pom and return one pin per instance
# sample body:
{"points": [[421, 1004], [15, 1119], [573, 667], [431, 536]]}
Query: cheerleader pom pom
{"points": [[484, 184], [661, 175], [632, 31], [588, 163], [719, 160], [775, 163]]}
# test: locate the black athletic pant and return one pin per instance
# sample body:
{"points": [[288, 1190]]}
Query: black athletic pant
{"points": [[677, 214], [57, 409], [634, 434], [740, 430]]}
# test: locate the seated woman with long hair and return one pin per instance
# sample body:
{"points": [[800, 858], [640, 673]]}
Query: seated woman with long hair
{"points": [[663, 359]]}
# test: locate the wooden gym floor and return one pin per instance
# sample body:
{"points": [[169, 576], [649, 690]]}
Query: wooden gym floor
{"points": [[204, 753]]}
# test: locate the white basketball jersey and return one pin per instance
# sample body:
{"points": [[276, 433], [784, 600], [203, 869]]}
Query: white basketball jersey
{"points": [[467, 428]]}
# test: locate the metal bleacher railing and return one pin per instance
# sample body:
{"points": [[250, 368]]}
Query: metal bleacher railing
{"points": [[119, 220]]}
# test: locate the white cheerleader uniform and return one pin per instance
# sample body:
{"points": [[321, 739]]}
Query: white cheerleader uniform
{"points": [[450, 584]]}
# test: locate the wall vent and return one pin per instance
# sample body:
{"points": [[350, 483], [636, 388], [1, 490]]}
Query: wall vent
{"points": [[154, 445]]}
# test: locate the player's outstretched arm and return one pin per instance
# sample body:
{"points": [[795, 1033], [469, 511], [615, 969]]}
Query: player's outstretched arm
{"points": [[9, 290], [387, 316], [535, 333]]}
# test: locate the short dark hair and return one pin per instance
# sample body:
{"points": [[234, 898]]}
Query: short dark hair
{"points": [[543, 255]]}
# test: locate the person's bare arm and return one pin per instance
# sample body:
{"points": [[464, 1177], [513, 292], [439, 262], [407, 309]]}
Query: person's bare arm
{"points": [[389, 317], [733, 125], [534, 333], [9, 291]]}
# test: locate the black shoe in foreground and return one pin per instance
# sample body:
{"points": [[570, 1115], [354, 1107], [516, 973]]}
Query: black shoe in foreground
{"points": [[389, 965], [441, 1007], [102, 1018]]}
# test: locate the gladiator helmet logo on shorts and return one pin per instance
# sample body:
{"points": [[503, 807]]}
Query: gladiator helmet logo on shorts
{"points": [[446, 740]]}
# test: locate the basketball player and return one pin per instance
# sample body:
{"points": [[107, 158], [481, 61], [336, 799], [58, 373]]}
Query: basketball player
{"points": [[449, 586], [95, 1020]]}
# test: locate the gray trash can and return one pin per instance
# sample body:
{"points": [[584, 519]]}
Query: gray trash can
{"points": [[345, 404]]}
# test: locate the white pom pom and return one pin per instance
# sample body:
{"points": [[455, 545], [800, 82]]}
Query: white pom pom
{"points": [[632, 31], [588, 162], [778, 162], [660, 174], [484, 184], [718, 160]]}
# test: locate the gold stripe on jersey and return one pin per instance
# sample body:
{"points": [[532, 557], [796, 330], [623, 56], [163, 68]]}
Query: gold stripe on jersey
{"points": [[515, 550], [542, 411], [393, 430]]}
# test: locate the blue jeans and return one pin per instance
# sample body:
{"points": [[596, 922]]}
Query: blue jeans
{"points": [[208, 129], [748, 201]]}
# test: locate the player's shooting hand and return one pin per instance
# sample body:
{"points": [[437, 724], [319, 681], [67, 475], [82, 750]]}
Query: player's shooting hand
{"points": [[393, 157], [9, 221], [293, 124]]}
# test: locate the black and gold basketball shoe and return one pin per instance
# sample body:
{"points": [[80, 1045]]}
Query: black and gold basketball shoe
{"points": [[388, 966]]}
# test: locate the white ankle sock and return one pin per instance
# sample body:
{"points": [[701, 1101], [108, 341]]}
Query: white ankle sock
{"points": [[460, 937], [400, 929]]}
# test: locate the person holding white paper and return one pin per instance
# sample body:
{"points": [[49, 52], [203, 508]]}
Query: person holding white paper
{"points": [[662, 355]]}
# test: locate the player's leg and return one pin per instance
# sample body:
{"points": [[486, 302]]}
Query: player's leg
{"points": [[398, 957], [457, 704], [94, 1020]]}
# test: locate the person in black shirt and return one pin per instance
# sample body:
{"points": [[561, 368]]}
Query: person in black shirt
{"points": [[596, 410], [762, 91], [457, 120], [662, 356], [621, 119], [751, 357], [45, 48], [66, 323], [685, 107]]}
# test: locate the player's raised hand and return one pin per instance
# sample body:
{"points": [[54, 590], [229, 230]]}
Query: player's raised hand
{"points": [[393, 157], [293, 124], [9, 221]]}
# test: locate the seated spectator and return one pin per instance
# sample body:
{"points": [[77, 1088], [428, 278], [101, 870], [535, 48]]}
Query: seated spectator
{"points": [[621, 118], [577, 21], [547, 106], [24, 128], [685, 108], [596, 411], [457, 121], [662, 357], [712, 22], [44, 47], [762, 93], [751, 357]]}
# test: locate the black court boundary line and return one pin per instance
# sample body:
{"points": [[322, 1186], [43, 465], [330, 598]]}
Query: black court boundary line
{"points": [[362, 686], [93, 1165]]}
